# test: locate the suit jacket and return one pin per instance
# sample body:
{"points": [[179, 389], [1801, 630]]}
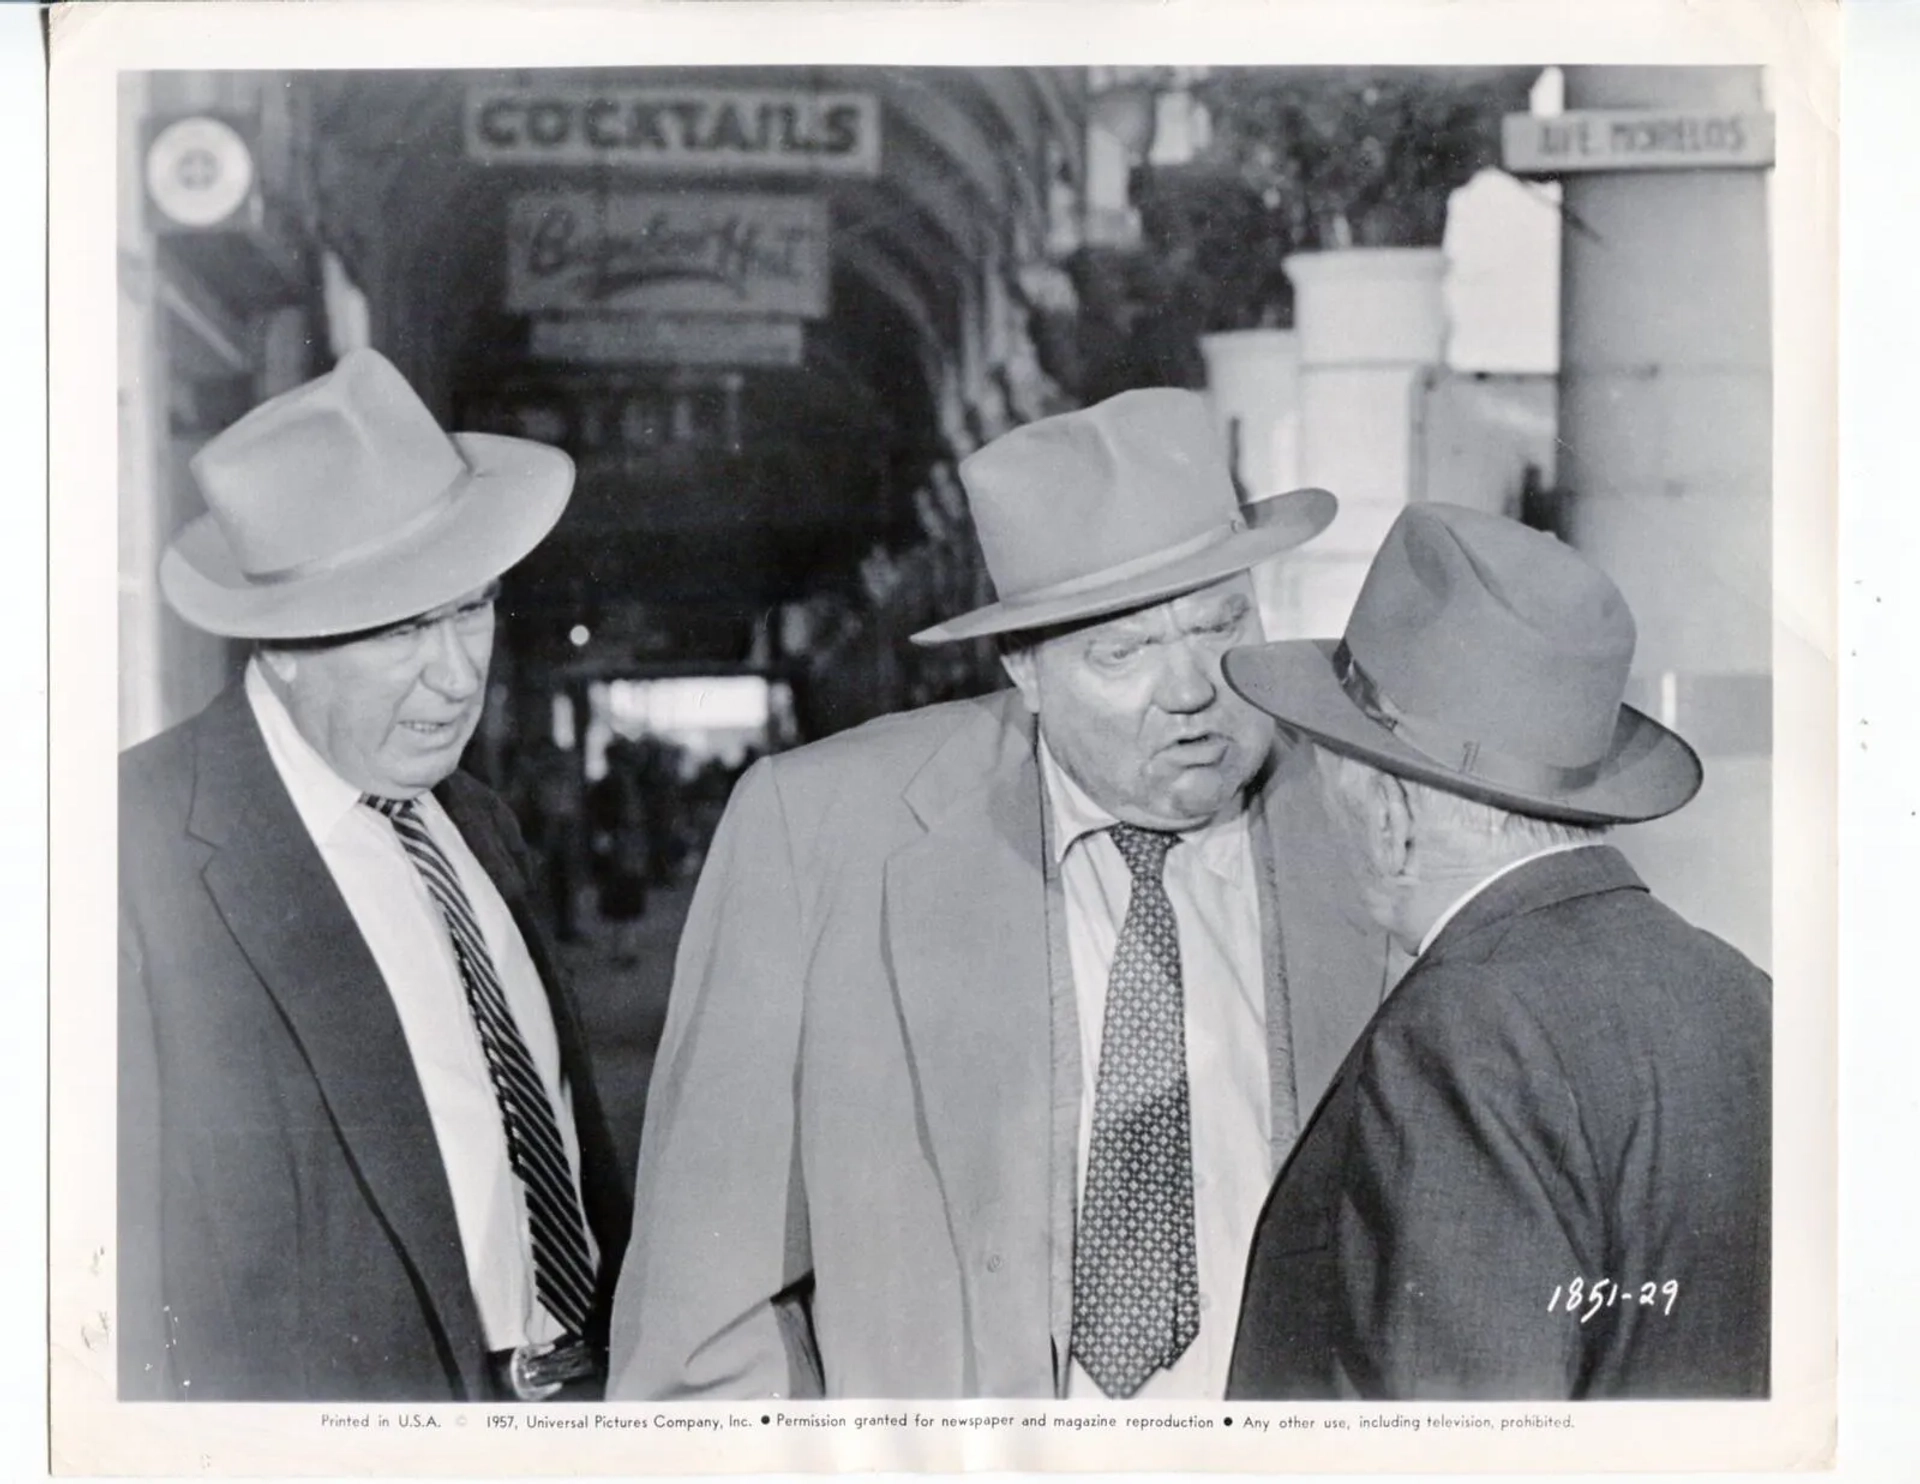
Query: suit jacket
{"points": [[1572, 1084], [857, 1165], [286, 1227]]}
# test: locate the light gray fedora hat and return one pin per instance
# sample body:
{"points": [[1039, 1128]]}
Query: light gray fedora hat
{"points": [[1112, 507], [1486, 659], [341, 506]]}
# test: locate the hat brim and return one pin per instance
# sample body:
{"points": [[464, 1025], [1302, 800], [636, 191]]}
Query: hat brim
{"points": [[1648, 772], [1274, 525], [502, 509]]}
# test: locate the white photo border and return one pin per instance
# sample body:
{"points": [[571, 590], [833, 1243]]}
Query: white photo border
{"points": [[1799, 45]]}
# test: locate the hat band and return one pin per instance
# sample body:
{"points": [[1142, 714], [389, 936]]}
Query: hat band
{"points": [[1452, 750], [333, 561], [1166, 556]]}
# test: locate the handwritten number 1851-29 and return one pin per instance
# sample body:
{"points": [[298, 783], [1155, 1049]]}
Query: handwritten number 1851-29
{"points": [[1578, 1297]]}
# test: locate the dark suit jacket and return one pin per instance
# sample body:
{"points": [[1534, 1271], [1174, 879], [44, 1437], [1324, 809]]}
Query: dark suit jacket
{"points": [[1571, 1083], [286, 1227], [857, 1162]]}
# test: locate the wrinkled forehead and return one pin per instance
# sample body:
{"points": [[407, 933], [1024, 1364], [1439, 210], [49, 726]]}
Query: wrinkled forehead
{"points": [[1218, 602]]}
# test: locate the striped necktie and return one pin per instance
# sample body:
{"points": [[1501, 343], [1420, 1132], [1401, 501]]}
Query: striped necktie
{"points": [[1136, 1280], [562, 1261]]}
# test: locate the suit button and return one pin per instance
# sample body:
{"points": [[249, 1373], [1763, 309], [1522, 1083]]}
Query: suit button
{"points": [[993, 1262]]}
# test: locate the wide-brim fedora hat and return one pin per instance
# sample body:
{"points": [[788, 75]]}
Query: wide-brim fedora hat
{"points": [[341, 506], [1130, 502], [1486, 659]]}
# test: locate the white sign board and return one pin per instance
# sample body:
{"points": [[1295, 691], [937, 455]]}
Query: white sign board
{"points": [[704, 130], [1636, 139], [670, 340], [679, 252]]}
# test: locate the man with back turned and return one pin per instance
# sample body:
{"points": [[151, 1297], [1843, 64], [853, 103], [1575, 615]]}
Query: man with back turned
{"points": [[1543, 1171]]}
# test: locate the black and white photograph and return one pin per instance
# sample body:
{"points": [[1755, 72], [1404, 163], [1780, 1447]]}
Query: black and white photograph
{"points": [[818, 737]]}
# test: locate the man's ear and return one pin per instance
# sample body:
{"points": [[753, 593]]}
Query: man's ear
{"points": [[1389, 824], [1020, 668]]}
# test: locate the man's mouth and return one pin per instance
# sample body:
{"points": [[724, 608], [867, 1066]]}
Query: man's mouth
{"points": [[432, 731], [1202, 751]]}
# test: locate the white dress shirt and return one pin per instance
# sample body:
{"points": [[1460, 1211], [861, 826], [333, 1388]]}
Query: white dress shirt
{"points": [[402, 925], [1461, 901], [1216, 906]]}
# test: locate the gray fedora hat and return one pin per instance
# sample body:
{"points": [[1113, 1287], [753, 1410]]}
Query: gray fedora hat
{"points": [[1112, 507], [1486, 659], [341, 505]]}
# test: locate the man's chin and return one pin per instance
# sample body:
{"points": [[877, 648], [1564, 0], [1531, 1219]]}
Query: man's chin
{"points": [[428, 767], [1189, 808], [1211, 788]]}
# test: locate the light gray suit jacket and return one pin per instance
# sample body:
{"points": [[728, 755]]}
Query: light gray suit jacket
{"points": [[857, 1169]]}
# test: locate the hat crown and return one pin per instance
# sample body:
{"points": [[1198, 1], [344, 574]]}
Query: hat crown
{"points": [[1087, 492], [327, 469], [1497, 632]]}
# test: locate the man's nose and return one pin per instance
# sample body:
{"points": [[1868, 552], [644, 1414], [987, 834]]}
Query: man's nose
{"points": [[1189, 682], [452, 668]]}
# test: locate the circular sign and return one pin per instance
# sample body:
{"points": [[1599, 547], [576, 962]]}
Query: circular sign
{"points": [[198, 171]]}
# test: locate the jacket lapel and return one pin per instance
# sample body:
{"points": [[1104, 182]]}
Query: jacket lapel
{"points": [[282, 907], [1327, 966], [966, 928]]}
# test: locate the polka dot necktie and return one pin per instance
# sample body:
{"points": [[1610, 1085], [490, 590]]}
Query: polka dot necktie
{"points": [[562, 1260], [1136, 1283]]}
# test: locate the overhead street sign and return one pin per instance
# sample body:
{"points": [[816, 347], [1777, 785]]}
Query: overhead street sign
{"points": [[199, 172], [780, 131], [668, 251], [1636, 139]]}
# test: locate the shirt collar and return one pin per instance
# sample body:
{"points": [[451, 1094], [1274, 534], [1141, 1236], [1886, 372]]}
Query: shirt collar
{"points": [[323, 798], [1075, 816], [1508, 869]]}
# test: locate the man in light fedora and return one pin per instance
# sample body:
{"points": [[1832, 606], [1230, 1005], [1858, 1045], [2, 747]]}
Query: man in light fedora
{"points": [[1543, 1171], [360, 1154], [992, 1021]]}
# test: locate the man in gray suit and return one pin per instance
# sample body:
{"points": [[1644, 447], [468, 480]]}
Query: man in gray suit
{"points": [[992, 1021], [1543, 1171]]}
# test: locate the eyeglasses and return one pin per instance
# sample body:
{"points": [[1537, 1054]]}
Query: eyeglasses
{"points": [[471, 620]]}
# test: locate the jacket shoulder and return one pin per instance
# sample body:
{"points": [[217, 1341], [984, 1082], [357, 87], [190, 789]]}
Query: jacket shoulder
{"points": [[889, 750], [156, 776], [1609, 979], [1627, 932], [848, 792]]}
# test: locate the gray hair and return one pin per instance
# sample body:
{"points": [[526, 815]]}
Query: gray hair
{"points": [[1470, 820]]}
